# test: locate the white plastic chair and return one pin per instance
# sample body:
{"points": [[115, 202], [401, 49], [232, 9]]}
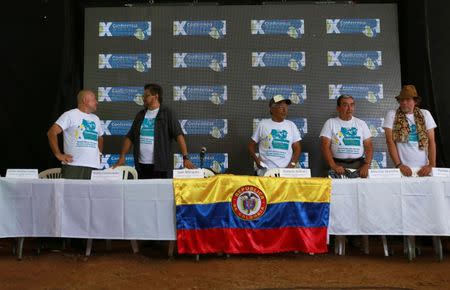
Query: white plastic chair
{"points": [[52, 173], [207, 172], [126, 172], [274, 172]]}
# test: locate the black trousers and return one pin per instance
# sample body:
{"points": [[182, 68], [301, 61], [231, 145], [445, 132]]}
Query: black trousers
{"points": [[146, 171]]}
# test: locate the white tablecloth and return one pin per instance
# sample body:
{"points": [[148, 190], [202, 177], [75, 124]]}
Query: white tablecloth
{"points": [[145, 209], [405, 206], [131, 209]]}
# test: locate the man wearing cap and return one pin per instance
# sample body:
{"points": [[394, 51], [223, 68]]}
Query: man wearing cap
{"points": [[346, 142], [278, 139], [410, 134]]}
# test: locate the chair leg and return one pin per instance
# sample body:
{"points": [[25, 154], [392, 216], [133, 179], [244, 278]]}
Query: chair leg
{"points": [[339, 245], [437, 245], [171, 248], [20, 248], [410, 247], [108, 245], [88, 247], [385, 246], [365, 240], [134, 246]]}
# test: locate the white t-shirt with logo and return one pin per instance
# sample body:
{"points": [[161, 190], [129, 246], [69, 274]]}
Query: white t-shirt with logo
{"points": [[147, 137], [346, 137], [409, 152], [275, 141], [81, 132]]}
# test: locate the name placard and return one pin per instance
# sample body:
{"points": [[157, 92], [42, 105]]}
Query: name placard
{"points": [[188, 173], [385, 173], [22, 173], [106, 175], [440, 172], [295, 172]]}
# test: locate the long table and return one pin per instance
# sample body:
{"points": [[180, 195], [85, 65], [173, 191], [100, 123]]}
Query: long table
{"points": [[145, 209]]}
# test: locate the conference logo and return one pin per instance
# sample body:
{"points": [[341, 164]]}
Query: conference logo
{"points": [[371, 92], [217, 162], [215, 29], [216, 128], [379, 160], [108, 160], [139, 62], [249, 202], [295, 93], [375, 126], [217, 61], [369, 59], [121, 94], [142, 30], [294, 28], [295, 60], [116, 127], [368, 27], [215, 94]]}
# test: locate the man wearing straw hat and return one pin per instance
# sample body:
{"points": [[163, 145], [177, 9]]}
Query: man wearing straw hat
{"points": [[410, 134]]}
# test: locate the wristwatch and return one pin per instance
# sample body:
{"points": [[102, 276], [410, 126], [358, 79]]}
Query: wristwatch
{"points": [[293, 163], [185, 157]]}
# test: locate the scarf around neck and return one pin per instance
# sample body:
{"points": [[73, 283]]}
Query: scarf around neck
{"points": [[401, 128]]}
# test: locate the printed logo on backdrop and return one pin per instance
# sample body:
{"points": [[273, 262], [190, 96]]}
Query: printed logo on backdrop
{"points": [[375, 126], [215, 94], [116, 127], [295, 28], [295, 93], [301, 123], [217, 128], [291, 59], [379, 160], [217, 61], [86, 134], [214, 28], [249, 202], [217, 162], [108, 160], [371, 92], [141, 29], [368, 59], [140, 62], [121, 94], [368, 27]]}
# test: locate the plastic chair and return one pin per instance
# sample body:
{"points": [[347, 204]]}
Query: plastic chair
{"points": [[207, 172], [126, 172], [52, 173]]}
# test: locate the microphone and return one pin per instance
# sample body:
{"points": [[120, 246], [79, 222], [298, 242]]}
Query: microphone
{"points": [[202, 156]]}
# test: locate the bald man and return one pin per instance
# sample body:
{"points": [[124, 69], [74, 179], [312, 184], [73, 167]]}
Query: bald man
{"points": [[83, 141]]}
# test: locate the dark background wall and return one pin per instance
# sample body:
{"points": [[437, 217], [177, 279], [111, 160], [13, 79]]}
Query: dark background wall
{"points": [[42, 57]]}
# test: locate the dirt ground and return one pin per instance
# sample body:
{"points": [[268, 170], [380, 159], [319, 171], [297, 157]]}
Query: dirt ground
{"points": [[151, 268]]}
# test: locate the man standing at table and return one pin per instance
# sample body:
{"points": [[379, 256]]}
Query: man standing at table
{"points": [[82, 134], [346, 142], [410, 134], [278, 139], [151, 134]]}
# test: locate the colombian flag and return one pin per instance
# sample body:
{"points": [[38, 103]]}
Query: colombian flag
{"points": [[249, 214]]}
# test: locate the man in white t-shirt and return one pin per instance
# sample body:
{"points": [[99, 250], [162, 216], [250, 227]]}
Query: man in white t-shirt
{"points": [[82, 134], [278, 139], [346, 142], [410, 134]]}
